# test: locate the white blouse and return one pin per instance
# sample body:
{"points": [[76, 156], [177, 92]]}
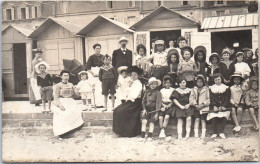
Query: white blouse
{"points": [[134, 91], [159, 59], [166, 94], [243, 68]]}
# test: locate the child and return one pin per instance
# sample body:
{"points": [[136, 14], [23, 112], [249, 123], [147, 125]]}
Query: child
{"points": [[167, 108], [236, 100], [199, 99], [123, 82], [45, 83], [173, 62], [249, 58], [200, 53], [108, 77], [152, 102], [141, 60], [180, 97], [252, 100], [217, 67], [187, 67], [239, 66], [219, 106], [225, 55], [86, 88]]}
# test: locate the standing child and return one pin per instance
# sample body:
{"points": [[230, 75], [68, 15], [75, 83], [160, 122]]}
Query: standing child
{"points": [[152, 102], [199, 99], [240, 66], [200, 53], [219, 107], [173, 62], [225, 55], [236, 100], [108, 77], [167, 108], [44, 81], [86, 88], [249, 58], [252, 100], [182, 106], [123, 82], [187, 67]]}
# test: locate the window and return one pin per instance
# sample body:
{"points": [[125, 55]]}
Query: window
{"points": [[184, 3], [220, 3], [112, 18], [109, 4], [159, 3], [8, 14], [131, 3], [23, 13], [220, 13]]}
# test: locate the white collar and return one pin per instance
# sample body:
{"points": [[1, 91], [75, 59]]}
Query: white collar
{"points": [[218, 88], [123, 49], [183, 91]]}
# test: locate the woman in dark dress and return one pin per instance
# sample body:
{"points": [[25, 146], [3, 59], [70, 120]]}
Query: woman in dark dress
{"points": [[126, 117]]}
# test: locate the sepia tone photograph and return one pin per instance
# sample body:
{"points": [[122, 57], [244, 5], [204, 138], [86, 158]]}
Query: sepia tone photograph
{"points": [[130, 81]]}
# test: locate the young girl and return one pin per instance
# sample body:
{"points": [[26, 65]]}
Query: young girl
{"points": [[86, 88], [252, 100], [152, 102], [173, 62], [180, 97], [217, 67], [219, 106], [187, 67], [44, 81], [200, 53], [123, 82], [236, 100], [225, 56], [141, 60], [167, 108], [249, 58], [239, 66], [108, 77], [199, 99]]}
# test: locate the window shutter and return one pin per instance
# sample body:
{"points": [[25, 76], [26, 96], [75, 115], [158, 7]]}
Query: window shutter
{"points": [[39, 11], [33, 11], [19, 13], [27, 13], [12, 13], [4, 14]]}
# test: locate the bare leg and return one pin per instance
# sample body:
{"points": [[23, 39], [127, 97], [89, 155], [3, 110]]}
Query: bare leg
{"points": [[203, 128], [234, 116], [105, 102], [252, 113], [196, 127], [239, 114], [166, 121], [161, 122], [144, 122], [151, 127], [188, 126], [179, 127], [43, 103], [49, 103], [113, 101]]}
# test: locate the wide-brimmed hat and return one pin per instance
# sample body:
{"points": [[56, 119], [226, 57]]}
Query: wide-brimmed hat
{"points": [[226, 50], [37, 50], [153, 79], [82, 72], [41, 63], [173, 51], [136, 69], [187, 48], [214, 54], [121, 68], [200, 76], [200, 48], [237, 74], [159, 42], [123, 38]]}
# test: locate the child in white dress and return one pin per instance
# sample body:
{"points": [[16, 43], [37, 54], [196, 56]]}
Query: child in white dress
{"points": [[123, 82]]}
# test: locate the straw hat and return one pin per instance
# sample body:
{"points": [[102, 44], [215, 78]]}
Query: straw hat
{"points": [[82, 72], [136, 69], [226, 50], [238, 74], [121, 68], [153, 79], [214, 54], [123, 38], [41, 63], [159, 42], [187, 48]]}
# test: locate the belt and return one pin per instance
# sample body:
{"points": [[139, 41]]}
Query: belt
{"points": [[160, 66]]}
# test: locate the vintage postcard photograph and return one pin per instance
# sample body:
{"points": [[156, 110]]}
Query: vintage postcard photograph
{"points": [[130, 81]]}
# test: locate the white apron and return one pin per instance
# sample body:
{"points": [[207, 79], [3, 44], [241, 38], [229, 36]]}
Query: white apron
{"points": [[71, 118], [35, 89]]}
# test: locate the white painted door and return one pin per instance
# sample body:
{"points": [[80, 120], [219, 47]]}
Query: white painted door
{"points": [[254, 39], [201, 39], [142, 37]]}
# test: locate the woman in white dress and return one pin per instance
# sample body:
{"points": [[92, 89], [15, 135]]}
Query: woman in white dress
{"points": [[67, 116]]}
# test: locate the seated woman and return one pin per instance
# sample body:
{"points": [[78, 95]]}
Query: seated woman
{"points": [[126, 117], [67, 116]]}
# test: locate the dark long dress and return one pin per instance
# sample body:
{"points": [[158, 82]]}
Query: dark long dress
{"points": [[126, 117]]}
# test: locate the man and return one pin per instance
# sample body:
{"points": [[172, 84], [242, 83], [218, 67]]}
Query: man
{"points": [[122, 56], [182, 42], [35, 96]]}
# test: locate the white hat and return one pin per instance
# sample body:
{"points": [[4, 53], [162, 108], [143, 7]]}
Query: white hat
{"points": [[121, 68], [81, 72], [41, 63], [153, 79], [159, 42], [123, 38]]}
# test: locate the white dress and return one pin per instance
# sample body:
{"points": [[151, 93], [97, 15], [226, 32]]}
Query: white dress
{"points": [[123, 87], [85, 88]]}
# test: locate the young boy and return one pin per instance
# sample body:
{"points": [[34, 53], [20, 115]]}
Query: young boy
{"points": [[167, 108], [236, 100], [152, 102], [108, 77]]}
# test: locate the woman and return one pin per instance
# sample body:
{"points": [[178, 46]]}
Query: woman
{"points": [[66, 116], [126, 117]]}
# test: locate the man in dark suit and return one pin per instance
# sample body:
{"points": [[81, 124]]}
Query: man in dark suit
{"points": [[122, 56]]}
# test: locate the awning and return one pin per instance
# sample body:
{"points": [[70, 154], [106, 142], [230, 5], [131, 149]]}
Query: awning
{"points": [[230, 21]]}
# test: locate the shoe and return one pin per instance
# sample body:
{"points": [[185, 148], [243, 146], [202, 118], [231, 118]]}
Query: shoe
{"points": [[143, 134], [149, 139], [214, 136], [179, 137], [162, 134], [235, 129], [104, 110], [37, 104], [238, 128], [222, 135]]}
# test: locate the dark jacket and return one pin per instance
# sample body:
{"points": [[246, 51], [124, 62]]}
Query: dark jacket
{"points": [[121, 59], [219, 99], [94, 61]]}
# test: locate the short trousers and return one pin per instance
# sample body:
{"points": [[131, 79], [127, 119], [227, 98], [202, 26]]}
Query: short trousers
{"points": [[108, 86], [198, 115], [149, 116], [168, 111], [86, 95], [47, 93]]}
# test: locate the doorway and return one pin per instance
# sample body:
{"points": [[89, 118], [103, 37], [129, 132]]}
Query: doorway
{"points": [[166, 36], [233, 39], [20, 74]]}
